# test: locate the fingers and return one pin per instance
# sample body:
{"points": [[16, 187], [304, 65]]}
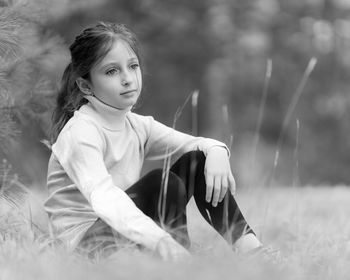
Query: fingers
{"points": [[216, 190], [224, 187], [217, 187], [232, 184], [209, 180]]}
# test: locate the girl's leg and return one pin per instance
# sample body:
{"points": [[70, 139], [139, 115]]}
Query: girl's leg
{"points": [[170, 212], [226, 217], [166, 206], [98, 241]]}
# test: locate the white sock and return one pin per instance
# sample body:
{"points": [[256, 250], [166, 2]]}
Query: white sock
{"points": [[247, 243]]}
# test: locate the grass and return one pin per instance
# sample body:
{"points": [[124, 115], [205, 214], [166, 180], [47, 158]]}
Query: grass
{"points": [[309, 225]]}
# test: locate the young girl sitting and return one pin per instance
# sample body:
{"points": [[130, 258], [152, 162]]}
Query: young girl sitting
{"points": [[99, 145]]}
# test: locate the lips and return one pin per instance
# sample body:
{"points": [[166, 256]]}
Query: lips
{"points": [[129, 91]]}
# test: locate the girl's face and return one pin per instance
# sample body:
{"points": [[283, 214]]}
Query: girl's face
{"points": [[117, 79]]}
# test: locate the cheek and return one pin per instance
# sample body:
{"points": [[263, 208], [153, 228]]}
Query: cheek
{"points": [[107, 84], [139, 79]]}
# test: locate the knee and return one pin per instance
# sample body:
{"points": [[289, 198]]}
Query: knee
{"points": [[194, 156], [155, 175], [197, 161], [176, 189]]}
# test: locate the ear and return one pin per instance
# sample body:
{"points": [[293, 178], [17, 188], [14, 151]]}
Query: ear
{"points": [[84, 86]]}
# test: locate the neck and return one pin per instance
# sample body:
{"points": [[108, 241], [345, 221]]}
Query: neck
{"points": [[109, 105], [108, 116]]}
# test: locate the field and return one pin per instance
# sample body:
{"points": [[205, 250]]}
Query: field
{"points": [[308, 225]]}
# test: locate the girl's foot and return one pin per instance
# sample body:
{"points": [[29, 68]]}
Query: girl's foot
{"points": [[266, 254], [251, 248], [247, 243]]}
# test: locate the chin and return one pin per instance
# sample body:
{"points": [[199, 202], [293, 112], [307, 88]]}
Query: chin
{"points": [[128, 105], [133, 102]]}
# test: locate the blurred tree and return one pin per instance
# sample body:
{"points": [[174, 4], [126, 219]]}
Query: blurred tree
{"points": [[27, 53], [220, 47]]}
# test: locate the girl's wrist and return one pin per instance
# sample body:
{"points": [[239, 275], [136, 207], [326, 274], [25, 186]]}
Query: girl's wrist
{"points": [[164, 238], [217, 148]]}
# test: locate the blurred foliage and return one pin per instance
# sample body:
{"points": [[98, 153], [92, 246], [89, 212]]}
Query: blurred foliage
{"points": [[27, 53], [220, 47]]}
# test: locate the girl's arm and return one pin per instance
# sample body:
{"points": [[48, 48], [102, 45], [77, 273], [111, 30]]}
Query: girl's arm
{"points": [[79, 149], [163, 140]]}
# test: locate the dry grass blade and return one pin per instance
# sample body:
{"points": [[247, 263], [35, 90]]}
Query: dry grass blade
{"points": [[180, 109], [228, 135], [15, 193], [11, 190], [296, 156], [296, 96], [262, 108], [166, 164], [17, 198], [195, 112]]}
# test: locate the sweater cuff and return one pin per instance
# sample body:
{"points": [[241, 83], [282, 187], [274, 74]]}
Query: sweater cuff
{"points": [[155, 246], [222, 145], [152, 240]]}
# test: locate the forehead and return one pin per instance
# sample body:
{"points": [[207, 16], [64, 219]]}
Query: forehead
{"points": [[120, 51]]}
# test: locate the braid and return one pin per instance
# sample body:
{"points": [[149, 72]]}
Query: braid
{"points": [[69, 99]]}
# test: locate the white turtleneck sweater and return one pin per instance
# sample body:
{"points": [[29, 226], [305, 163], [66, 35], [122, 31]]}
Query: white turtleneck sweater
{"points": [[97, 156]]}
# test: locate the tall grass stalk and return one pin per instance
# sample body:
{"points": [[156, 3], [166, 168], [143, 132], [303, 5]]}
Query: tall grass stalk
{"points": [[225, 118], [167, 162], [194, 111], [227, 134], [268, 74], [296, 156], [296, 184], [296, 96], [261, 110], [16, 196]]}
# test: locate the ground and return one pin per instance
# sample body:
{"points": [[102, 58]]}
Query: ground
{"points": [[309, 226]]}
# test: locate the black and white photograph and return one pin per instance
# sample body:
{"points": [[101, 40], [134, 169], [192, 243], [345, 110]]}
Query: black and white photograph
{"points": [[162, 139]]}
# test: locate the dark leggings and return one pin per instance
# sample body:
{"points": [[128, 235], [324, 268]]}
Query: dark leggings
{"points": [[185, 179]]}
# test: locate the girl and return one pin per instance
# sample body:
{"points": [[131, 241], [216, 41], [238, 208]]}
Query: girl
{"points": [[97, 197]]}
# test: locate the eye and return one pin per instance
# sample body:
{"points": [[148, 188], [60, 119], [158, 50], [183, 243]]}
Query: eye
{"points": [[134, 66], [112, 71]]}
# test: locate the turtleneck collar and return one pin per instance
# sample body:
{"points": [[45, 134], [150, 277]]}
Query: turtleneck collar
{"points": [[109, 117]]}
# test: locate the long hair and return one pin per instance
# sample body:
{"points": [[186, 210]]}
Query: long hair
{"points": [[88, 49]]}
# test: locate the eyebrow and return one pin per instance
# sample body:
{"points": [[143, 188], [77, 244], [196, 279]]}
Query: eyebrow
{"points": [[133, 59]]}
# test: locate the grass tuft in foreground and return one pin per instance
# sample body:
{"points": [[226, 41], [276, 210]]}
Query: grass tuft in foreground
{"points": [[309, 225]]}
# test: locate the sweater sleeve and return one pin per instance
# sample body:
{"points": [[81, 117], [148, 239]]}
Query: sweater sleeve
{"points": [[79, 149], [164, 140]]}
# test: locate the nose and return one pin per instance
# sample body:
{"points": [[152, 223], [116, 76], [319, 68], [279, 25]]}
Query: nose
{"points": [[125, 83], [127, 78]]}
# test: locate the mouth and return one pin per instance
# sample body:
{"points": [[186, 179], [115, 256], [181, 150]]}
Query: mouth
{"points": [[129, 91]]}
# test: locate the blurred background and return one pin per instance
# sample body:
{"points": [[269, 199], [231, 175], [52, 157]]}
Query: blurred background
{"points": [[290, 128]]}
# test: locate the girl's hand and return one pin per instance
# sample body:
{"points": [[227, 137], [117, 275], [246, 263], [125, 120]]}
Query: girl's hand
{"points": [[168, 249], [218, 175]]}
